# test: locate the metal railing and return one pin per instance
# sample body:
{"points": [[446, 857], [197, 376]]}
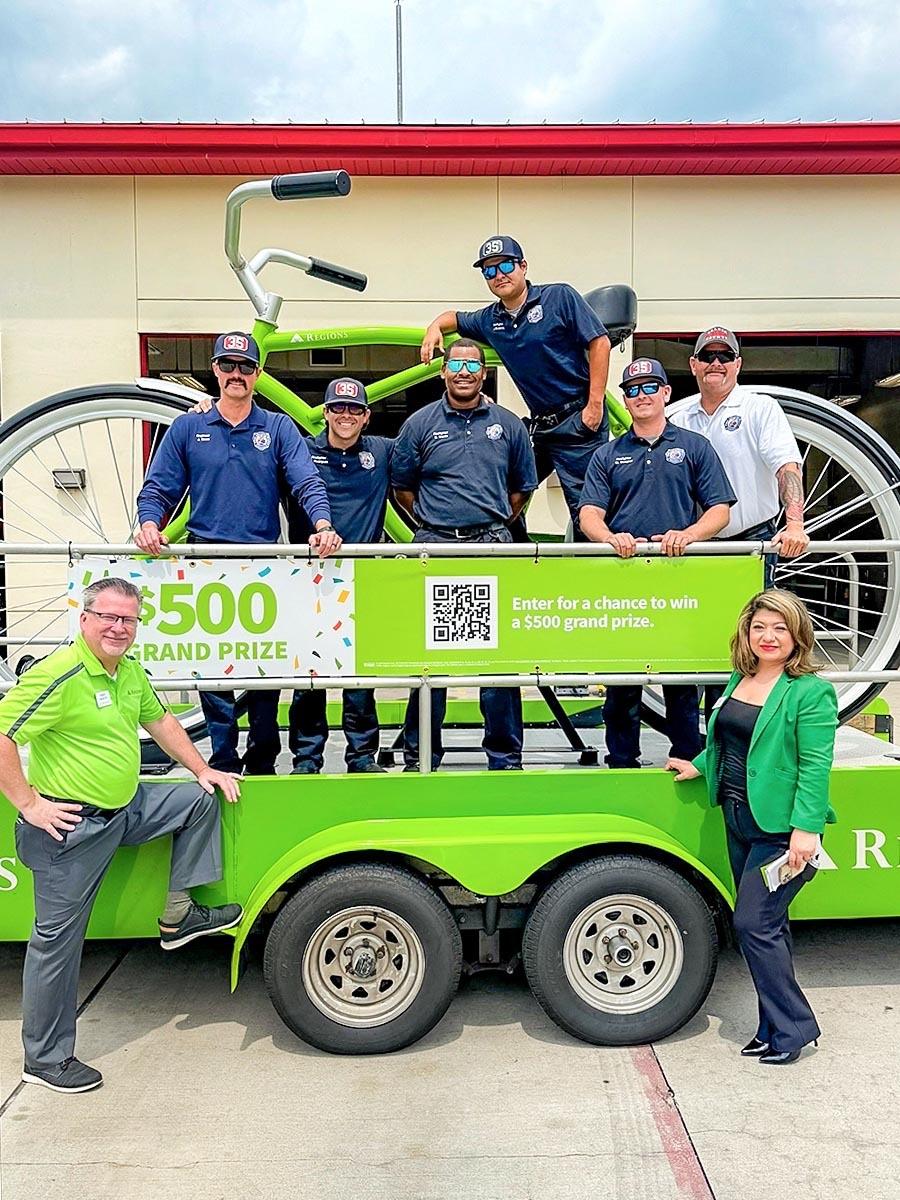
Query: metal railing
{"points": [[425, 682]]}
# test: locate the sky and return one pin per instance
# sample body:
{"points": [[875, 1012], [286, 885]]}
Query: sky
{"points": [[485, 61]]}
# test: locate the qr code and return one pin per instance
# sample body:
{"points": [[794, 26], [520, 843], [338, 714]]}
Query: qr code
{"points": [[461, 614]]}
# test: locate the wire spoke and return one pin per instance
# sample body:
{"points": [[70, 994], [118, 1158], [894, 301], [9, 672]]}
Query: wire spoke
{"points": [[89, 477], [54, 500], [810, 574], [62, 450], [126, 508]]}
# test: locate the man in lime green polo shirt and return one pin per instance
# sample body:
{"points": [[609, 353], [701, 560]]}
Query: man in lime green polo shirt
{"points": [[79, 711]]}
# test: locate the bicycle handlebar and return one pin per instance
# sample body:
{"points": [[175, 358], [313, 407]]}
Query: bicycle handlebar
{"points": [[310, 184], [342, 276]]}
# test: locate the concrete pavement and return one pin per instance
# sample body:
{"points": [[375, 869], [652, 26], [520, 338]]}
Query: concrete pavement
{"points": [[209, 1094]]}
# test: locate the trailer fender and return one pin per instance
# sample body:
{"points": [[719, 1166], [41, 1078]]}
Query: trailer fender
{"points": [[489, 855]]}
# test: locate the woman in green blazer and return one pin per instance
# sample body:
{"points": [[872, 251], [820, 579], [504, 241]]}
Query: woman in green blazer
{"points": [[769, 749]]}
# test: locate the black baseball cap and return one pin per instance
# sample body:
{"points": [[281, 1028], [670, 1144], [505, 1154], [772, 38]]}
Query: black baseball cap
{"points": [[498, 245]]}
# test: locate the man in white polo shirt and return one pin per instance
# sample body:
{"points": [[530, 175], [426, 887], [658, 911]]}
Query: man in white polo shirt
{"points": [[753, 439]]}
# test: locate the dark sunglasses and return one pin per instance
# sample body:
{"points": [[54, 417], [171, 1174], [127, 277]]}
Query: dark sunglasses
{"points": [[711, 356], [633, 389], [455, 365], [505, 268], [227, 365], [342, 406]]}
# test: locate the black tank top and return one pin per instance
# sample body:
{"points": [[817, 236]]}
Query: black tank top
{"points": [[734, 729]]}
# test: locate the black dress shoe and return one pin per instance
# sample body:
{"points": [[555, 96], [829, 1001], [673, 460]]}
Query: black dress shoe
{"points": [[755, 1048], [779, 1058]]}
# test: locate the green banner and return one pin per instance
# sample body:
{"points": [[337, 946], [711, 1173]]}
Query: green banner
{"points": [[470, 616]]}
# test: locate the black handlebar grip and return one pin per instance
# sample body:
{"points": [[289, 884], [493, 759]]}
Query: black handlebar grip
{"points": [[310, 184], [342, 276]]}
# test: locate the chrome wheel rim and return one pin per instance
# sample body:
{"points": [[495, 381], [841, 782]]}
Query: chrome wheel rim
{"points": [[623, 954], [363, 967]]}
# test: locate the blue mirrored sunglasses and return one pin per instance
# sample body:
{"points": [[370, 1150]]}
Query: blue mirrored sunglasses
{"points": [[455, 365], [505, 268], [649, 389]]}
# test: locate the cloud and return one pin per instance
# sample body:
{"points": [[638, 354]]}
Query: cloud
{"points": [[517, 60]]}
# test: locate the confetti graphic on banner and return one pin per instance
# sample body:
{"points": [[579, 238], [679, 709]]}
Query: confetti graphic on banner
{"points": [[283, 617]]}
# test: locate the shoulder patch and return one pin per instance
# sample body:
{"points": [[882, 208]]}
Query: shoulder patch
{"points": [[45, 694]]}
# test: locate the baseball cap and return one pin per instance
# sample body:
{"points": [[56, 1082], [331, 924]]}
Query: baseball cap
{"points": [[644, 368], [718, 333], [499, 244], [236, 345], [339, 391]]}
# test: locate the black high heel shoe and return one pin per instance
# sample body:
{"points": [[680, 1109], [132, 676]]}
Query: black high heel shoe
{"points": [[779, 1058], [755, 1048]]}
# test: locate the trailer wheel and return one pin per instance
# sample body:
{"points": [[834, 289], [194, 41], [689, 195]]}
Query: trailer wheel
{"points": [[363, 959], [620, 951]]}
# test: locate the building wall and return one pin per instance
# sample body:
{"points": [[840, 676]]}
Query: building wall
{"points": [[91, 263]]}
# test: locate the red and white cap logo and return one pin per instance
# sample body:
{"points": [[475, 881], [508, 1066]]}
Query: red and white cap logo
{"points": [[346, 387], [236, 342], [640, 366]]}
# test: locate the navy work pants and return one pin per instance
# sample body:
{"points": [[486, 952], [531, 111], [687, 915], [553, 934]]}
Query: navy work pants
{"points": [[622, 723], [786, 1020], [263, 738], [567, 449], [503, 727], [308, 728]]}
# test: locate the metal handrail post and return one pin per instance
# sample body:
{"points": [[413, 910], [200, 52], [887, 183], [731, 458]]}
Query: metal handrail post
{"points": [[425, 726]]}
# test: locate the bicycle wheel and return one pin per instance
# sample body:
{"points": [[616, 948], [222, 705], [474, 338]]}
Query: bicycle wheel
{"points": [[852, 486], [71, 466]]}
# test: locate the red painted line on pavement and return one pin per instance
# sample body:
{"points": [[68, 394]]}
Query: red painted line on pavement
{"points": [[690, 1178]]}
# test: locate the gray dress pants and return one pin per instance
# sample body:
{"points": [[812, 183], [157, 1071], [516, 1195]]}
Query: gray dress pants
{"points": [[67, 877]]}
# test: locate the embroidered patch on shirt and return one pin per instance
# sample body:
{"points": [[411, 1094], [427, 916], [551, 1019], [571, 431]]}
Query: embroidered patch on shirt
{"points": [[262, 440], [202, 437], [535, 314], [494, 432], [732, 423], [676, 455], [366, 460], [440, 435]]}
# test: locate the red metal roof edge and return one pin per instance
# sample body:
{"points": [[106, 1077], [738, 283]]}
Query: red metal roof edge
{"points": [[683, 149]]}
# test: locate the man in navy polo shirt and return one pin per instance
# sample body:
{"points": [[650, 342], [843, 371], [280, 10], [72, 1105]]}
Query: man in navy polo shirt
{"points": [[232, 458], [557, 351], [355, 467], [648, 485], [463, 469]]}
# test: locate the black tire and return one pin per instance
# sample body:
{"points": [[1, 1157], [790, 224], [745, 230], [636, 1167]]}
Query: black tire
{"points": [[674, 989], [294, 954]]}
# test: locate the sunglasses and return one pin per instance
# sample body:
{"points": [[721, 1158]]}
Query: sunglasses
{"points": [[634, 389], [342, 406], [227, 365], [455, 365], [711, 356], [505, 268]]}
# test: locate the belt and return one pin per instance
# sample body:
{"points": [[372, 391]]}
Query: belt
{"points": [[87, 810], [465, 532], [551, 420]]}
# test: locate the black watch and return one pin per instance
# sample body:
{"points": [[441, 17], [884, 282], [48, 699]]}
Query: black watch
{"points": [[325, 529]]}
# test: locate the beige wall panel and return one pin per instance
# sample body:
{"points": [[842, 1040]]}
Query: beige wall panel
{"points": [[414, 239], [799, 314], [769, 237], [574, 230], [67, 297]]}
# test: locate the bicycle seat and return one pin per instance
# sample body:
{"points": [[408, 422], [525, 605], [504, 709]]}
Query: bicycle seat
{"points": [[616, 306]]}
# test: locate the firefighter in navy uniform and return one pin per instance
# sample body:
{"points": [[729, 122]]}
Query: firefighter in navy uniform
{"points": [[556, 350], [650, 484], [463, 469], [355, 467]]}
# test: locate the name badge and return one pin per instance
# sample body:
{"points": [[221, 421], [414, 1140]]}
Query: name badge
{"points": [[104, 699]]}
